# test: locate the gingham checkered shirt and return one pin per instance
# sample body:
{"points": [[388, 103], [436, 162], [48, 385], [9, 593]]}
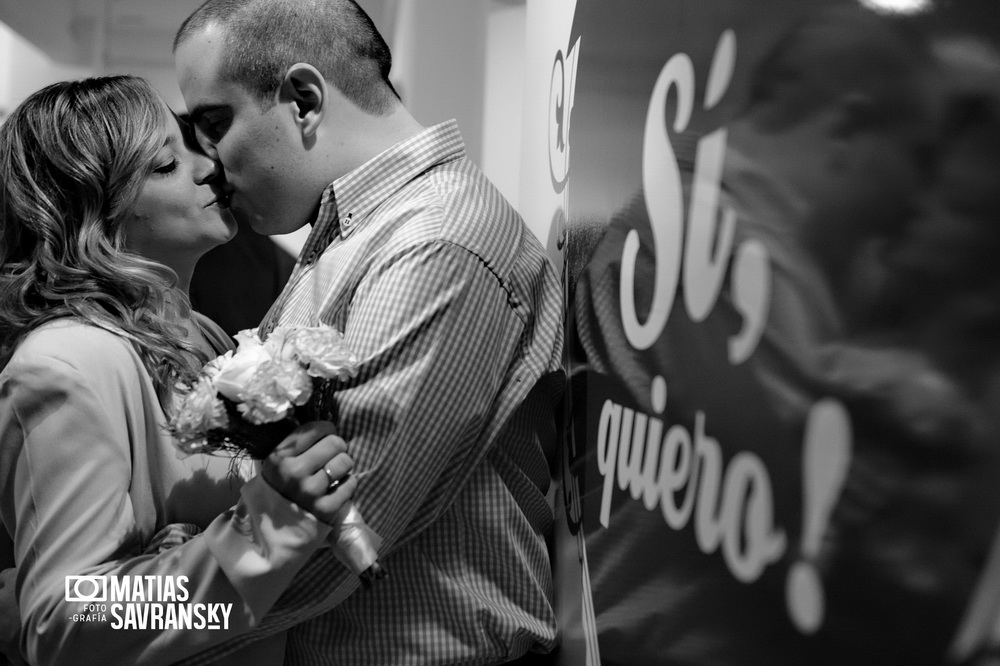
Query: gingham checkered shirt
{"points": [[456, 314]]}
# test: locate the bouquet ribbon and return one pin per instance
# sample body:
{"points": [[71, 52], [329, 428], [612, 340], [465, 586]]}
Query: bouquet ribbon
{"points": [[356, 546]]}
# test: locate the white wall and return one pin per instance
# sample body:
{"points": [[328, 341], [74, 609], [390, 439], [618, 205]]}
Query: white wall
{"points": [[463, 59], [503, 105], [438, 63], [24, 69]]}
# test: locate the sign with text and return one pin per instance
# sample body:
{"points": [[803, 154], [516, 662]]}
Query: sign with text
{"points": [[782, 346]]}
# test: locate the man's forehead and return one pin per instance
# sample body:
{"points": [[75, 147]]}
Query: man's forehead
{"points": [[201, 99], [209, 35], [198, 58]]}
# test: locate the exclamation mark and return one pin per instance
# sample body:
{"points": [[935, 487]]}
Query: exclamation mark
{"points": [[825, 459]]}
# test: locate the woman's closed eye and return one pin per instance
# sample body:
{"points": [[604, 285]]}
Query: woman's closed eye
{"points": [[166, 166]]}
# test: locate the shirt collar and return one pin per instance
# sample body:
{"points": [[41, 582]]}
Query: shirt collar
{"points": [[364, 189]]}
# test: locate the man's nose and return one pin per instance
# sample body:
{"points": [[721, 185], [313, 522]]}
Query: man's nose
{"points": [[206, 144]]}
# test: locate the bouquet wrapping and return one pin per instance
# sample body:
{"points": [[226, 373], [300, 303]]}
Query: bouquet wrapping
{"points": [[246, 401]]}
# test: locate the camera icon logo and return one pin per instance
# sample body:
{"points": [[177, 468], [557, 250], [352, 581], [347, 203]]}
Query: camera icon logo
{"points": [[86, 589]]}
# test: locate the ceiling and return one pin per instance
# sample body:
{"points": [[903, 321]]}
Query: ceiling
{"points": [[120, 35]]}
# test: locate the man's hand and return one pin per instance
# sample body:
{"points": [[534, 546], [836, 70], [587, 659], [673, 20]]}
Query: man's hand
{"points": [[311, 468]]}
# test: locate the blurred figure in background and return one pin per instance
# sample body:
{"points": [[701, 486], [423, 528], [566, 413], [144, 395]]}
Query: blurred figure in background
{"points": [[825, 167], [235, 284], [941, 298], [943, 280], [871, 276]]}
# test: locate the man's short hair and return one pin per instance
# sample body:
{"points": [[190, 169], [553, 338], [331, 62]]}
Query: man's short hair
{"points": [[263, 38]]}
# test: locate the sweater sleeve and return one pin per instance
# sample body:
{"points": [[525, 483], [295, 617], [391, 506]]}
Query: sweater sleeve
{"points": [[85, 591]]}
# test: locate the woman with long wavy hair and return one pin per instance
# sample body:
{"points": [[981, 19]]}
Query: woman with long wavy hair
{"points": [[105, 208]]}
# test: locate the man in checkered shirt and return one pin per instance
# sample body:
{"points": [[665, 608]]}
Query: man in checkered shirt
{"points": [[446, 297]]}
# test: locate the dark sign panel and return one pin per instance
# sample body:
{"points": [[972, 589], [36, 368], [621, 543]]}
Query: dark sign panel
{"points": [[782, 230]]}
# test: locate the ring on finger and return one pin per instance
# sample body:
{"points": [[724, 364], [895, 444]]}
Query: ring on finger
{"points": [[334, 482]]}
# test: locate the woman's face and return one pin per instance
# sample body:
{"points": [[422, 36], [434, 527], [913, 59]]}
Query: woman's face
{"points": [[182, 211]]}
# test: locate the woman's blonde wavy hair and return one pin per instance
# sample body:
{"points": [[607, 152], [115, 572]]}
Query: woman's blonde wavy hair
{"points": [[73, 160]]}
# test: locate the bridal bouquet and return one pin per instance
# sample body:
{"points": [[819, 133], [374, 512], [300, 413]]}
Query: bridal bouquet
{"points": [[247, 401]]}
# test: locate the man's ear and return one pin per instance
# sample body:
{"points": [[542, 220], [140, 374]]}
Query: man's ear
{"points": [[306, 89]]}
